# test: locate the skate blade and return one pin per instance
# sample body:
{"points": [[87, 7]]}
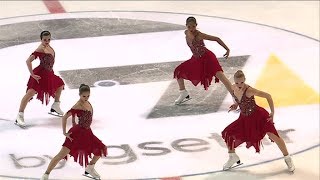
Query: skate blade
{"points": [[232, 167], [185, 100], [22, 127], [89, 176], [55, 114], [291, 171]]}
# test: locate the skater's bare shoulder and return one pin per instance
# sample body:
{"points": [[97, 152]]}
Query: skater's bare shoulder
{"points": [[32, 56], [77, 106], [40, 48], [71, 112]]}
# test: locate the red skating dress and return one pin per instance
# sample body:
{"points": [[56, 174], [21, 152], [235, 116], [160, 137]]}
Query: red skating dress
{"points": [[250, 127], [84, 142], [202, 66], [49, 82]]}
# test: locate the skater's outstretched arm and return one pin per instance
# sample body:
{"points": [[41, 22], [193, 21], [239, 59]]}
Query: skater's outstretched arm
{"points": [[255, 92], [218, 40]]}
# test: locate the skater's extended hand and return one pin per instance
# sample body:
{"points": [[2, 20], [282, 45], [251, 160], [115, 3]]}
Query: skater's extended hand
{"points": [[68, 136], [233, 107], [36, 77], [226, 55], [270, 119]]}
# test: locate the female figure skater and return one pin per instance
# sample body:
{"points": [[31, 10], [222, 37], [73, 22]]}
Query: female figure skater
{"points": [[203, 64], [42, 81], [80, 142], [253, 123]]}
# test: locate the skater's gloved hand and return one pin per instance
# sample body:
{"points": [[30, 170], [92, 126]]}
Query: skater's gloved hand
{"points": [[226, 55], [233, 107], [270, 119], [36, 77], [68, 136]]}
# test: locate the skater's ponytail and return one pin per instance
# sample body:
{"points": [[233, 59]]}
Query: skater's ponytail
{"points": [[191, 19], [44, 33], [84, 88], [239, 74]]}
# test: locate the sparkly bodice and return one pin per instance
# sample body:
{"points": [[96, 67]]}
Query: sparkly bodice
{"points": [[46, 60], [197, 47], [247, 104], [84, 116]]}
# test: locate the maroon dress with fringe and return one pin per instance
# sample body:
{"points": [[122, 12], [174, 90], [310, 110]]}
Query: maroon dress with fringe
{"points": [[84, 142], [202, 66], [251, 126], [49, 82]]}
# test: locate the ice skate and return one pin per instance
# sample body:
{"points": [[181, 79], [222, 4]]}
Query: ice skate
{"points": [[289, 162], [90, 172], [183, 97], [20, 120], [45, 177], [233, 158], [55, 109]]}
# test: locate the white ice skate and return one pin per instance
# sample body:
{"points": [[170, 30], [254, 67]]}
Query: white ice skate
{"points": [[55, 109], [45, 177], [90, 172], [183, 97], [20, 120], [233, 158], [289, 162]]}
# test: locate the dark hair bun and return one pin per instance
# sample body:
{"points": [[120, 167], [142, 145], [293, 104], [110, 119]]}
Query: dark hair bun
{"points": [[191, 19], [84, 88], [44, 33]]}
